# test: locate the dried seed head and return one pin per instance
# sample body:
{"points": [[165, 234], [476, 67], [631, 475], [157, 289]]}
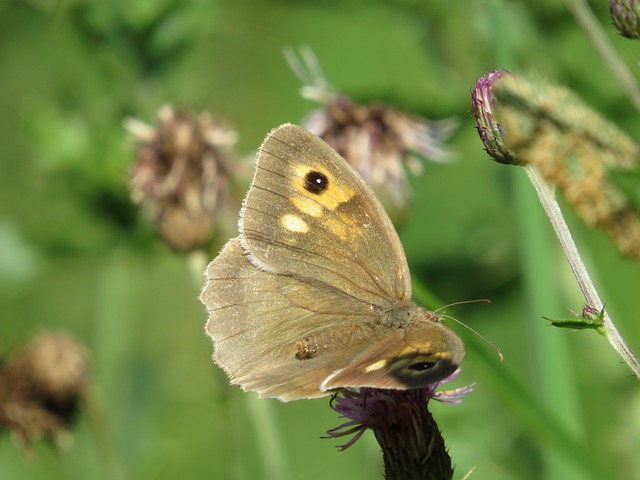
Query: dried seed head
{"points": [[182, 173], [42, 388], [55, 364]]}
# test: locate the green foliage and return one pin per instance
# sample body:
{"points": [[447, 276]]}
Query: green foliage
{"points": [[76, 256]]}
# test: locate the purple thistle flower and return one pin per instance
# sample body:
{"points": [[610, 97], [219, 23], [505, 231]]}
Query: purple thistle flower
{"points": [[405, 429], [490, 131]]}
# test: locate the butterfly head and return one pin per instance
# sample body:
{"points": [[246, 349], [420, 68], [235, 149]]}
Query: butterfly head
{"points": [[431, 352]]}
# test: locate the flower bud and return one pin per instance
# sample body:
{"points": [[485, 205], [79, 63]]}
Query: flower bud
{"points": [[589, 319], [490, 131], [530, 121], [626, 17]]}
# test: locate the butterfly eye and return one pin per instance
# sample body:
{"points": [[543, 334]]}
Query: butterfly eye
{"points": [[422, 366], [316, 182]]}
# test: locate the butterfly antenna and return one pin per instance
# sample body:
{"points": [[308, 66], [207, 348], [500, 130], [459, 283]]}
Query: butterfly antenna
{"points": [[467, 326], [462, 302], [480, 336]]}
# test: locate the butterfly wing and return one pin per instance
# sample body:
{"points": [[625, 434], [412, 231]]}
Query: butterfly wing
{"points": [[276, 334], [309, 215], [303, 301]]}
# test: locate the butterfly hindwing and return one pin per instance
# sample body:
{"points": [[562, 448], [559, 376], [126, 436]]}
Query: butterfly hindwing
{"points": [[278, 335]]}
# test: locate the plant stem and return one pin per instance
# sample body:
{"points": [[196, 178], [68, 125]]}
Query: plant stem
{"points": [[552, 209], [585, 17]]}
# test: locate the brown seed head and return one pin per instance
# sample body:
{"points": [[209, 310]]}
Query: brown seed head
{"points": [[181, 174]]}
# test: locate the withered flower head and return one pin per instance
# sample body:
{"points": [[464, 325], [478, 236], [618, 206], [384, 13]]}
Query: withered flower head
{"points": [[181, 174], [377, 140], [626, 17], [42, 387]]}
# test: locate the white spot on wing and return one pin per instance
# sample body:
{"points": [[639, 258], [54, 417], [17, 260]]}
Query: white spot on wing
{"points": [[294, 223], [375, 366]]}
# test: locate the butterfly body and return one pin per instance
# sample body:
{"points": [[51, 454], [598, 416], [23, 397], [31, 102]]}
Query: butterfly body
{"points": [[314, 295]]}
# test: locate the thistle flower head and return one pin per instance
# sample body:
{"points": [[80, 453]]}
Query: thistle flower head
{"points": [[625, 15], [379, 141], [410, 439], [489, 129], [181, 174]]}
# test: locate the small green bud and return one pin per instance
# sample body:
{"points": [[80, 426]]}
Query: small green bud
{"points": [[589, 319]]}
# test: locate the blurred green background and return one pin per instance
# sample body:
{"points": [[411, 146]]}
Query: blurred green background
{"points": [[75, 255]]}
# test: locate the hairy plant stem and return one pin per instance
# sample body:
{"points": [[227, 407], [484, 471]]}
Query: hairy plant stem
{"points": [[552, 209]]}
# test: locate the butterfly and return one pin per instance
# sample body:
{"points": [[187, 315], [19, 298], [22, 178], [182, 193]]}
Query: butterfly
{"points": [[314, 295]]}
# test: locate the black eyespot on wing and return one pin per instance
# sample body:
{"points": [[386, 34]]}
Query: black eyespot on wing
{"points": [[316, 182], [422, 366]]}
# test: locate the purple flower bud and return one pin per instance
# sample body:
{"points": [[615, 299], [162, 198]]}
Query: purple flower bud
{"points": [[626, 17], [490, 131]]}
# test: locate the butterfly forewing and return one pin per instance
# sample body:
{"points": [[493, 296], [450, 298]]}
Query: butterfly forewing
{"points": [[309, 215]]}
